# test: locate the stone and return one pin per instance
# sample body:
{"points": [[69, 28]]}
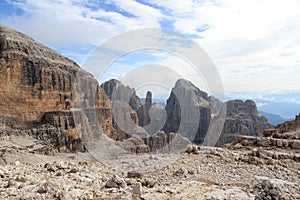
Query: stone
{"points": [[21, 178], [242, 118], [137, 189], [188, 108], [35, 80], [244, 143], [192, 149], [296, 144], [279, 143], [2, 173], [12, 183], [181, 171], [134, 174], [150, 183], [115, 182]]}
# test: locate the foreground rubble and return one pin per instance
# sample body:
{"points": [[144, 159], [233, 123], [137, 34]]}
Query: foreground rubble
{"points": [[243, 170]]}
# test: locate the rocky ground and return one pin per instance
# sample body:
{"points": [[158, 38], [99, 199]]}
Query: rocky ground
{"points": [[243, 170]]}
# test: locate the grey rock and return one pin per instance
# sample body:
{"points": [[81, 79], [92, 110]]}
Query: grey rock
{"points": [[134, 174], [188, 111], [296, 144], [1, 173], [115, 182], [137, 189]]}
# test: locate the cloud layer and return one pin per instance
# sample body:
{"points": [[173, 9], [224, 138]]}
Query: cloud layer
{"points": [[254, 44]]}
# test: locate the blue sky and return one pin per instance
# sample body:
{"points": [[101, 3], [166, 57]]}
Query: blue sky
{"points": [[255, 45]]}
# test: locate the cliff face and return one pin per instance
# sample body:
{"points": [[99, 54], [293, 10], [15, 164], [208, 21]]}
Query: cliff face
{"points": [[35, 80], [242, 118], [188, 108], [289, 125], [188, 111], [39, 87], [115, 90]]}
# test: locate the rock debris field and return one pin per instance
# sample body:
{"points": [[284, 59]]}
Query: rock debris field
{"points": [[241, 170]]}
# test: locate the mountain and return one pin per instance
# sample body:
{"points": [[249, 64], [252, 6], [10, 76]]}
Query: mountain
{"points": [[284, 103], [191, 112], [39, 86], [49, 96], [284, 109], [273, 118]]}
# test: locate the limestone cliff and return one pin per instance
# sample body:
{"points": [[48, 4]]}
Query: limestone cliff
{"points": [[190, 110], [140, 112], [35, 80], [289, 125], [242, 118]]}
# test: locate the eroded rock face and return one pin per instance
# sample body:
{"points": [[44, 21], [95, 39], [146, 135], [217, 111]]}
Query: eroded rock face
{"points": [[242, 118], [35, 79], [143, 111], [116, 91], [289, 125], [187, 110]]}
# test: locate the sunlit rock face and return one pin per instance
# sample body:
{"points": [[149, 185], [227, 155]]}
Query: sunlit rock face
{"points": [[35, 80]]}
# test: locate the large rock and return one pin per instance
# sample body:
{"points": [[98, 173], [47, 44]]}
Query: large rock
{"points": [[242, 118], [143, 110], [35, 80], [116, 91], [125, 103], [289, 125], [188, 111]]}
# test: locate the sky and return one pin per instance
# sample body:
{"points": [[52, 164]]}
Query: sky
{"points": [[254, 44]]}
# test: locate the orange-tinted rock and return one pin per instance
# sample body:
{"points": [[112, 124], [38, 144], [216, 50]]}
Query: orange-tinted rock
{"points": [[35, 80]]}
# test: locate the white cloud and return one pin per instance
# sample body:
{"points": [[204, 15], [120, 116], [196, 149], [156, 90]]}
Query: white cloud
{"points": [[57, 22], [254, 44]]}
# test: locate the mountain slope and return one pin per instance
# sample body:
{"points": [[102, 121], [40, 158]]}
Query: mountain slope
{"points": [[273, 118]]}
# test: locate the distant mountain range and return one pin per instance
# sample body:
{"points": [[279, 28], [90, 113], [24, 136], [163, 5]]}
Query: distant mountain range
{"points": [[273, 118], [286, 110]]}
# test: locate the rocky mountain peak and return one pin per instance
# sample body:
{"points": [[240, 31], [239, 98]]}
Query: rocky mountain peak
{"points": [[148, 102], [240, 106], [190, 88], [110, 86], [188, 111], [16, 44]]}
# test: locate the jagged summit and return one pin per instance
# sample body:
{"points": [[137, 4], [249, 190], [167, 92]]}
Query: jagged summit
{"points": [[189, 86], [110, 86]]}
